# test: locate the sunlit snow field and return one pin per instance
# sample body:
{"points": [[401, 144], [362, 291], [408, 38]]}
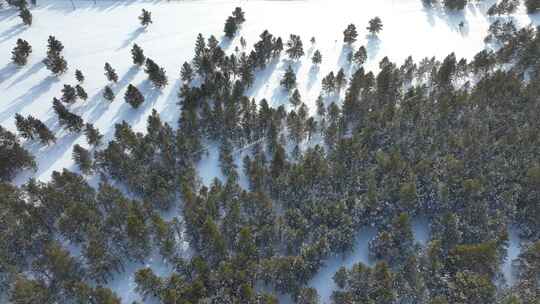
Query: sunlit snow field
{"points": [[95, 33]]}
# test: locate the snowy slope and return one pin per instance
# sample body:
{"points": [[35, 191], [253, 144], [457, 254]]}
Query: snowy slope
{"points": [[104, 32], [95, 33]]}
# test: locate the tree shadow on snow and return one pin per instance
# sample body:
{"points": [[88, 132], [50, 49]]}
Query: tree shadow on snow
{"points": [[9, 13], [98, 104], [32, 70], [128, 77], [132, 37], [262, 77], [313, 75], [47, 156], [280, 96], [480, 7], [226, 42], [295, 65], [8, 71], [310, 51], [12, 32], [27, 98], [133, 116], [342, 59], [373, 46], [454, 18], [170, 112]]}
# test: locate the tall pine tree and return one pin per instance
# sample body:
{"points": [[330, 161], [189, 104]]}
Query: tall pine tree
{"points": [[110, 73], [145, 18], [133, 96], [137, 55], [289, 79], [20, 53]]}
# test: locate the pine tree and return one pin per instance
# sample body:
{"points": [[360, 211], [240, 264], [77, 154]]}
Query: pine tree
{"points": [[79, 76], [45, 135], [54, 45], [133, 96], [213, 44], [82, 158], [31, 127], [200, 47], [148, 284], [70, 121], [13, 157], [26, 16], [278, 47], [230, 27], [494, 10], [317, 57], [503, 7], [329, 83], [145, 18], [341, 79], [110, 73], [106, 296], [24, 126], [93, 137], [155, 73], [27, 291], [246, 72], [350, 57], [295, 98], [226, 160], [289, 79], [350, 34], [137, 233], [186, 72], [54, 61], [295, 48], [375, 26], [21, 52], [69, 94], [321, 110], [311, 127], [81, 93], [455, 4], [108, 93], [238, 16], [137, 55], [360, 56]]}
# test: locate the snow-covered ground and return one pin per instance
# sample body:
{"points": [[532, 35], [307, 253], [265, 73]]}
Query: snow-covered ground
{"points": [[324, 282], [124, 283], [514, 249], [95, 33], [104, 31], [420, 228]]}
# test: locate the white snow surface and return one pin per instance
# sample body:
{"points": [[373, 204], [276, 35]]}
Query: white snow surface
{"points": [[104, 31], [514, 249]]}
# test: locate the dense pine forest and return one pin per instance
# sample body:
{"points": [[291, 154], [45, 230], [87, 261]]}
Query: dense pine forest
{"points": [[452, 140]]}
